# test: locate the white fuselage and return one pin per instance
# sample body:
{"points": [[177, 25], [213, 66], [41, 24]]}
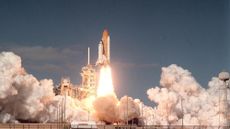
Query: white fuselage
{"points": [[104, 50]]}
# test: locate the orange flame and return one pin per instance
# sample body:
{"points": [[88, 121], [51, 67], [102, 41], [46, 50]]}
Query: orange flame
{"points": [[105, 86]]}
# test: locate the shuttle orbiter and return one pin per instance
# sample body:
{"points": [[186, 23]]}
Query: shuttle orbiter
{"points": [[104, 49]]}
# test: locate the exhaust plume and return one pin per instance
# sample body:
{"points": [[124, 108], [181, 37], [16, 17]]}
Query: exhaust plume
{"points": [[107, 106]]}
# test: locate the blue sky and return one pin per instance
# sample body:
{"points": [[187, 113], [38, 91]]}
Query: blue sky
{"points": [[52, 38]]}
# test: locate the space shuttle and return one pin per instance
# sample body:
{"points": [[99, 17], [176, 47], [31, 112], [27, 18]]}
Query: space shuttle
{"points": [[104, 50]]}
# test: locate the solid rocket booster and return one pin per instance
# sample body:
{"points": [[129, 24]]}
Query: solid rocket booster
{"points": [[104, 49], [100, 51]]}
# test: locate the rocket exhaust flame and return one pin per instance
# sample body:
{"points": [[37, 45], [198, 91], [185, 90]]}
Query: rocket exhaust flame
{"points": [[105, 86], [108, 108]]}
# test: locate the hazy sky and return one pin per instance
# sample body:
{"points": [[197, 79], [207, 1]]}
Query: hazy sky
{"points": [[52, 38]]}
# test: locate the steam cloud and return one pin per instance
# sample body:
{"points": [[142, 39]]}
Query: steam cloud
{"points": [[23, 97], [179, 96]]}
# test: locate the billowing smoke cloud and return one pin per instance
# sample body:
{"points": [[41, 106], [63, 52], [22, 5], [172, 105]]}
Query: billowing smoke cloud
{"points": [[106, 108], [111, 110], [23, 97], [180, 97], [74, 110]]}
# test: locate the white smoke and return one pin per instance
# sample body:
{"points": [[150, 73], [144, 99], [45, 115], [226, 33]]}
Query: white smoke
{"points": [[72, 108], [23, 97], [180, 97]]}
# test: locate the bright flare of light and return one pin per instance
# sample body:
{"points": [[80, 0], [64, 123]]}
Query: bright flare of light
{"points": [[88, 102], [105, 86]]}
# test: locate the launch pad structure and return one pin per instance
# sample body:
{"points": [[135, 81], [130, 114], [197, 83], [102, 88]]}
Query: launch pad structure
{"points": [[87, 86], [88, 73]]}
